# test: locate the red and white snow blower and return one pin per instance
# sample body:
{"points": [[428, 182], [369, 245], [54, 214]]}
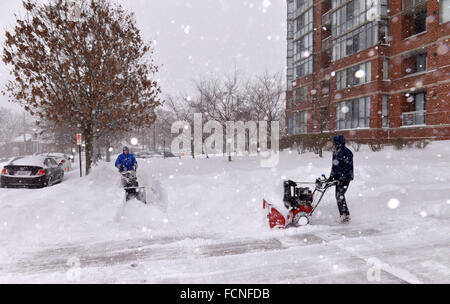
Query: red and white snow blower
{"points": [[300, 203]]}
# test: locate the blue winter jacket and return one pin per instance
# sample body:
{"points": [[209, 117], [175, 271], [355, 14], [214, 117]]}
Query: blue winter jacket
{"points": [[342, 169], [126, 162]]}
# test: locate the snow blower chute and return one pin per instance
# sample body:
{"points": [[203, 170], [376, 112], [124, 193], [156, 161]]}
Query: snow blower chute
{"points": [[300, 204]]}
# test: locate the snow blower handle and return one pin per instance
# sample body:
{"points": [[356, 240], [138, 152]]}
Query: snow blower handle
{"points": [[324, 182]]}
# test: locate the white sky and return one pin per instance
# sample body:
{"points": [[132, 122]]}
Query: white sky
{"points": [[197, 37]]}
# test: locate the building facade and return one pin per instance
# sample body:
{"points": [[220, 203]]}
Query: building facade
{"points": [[369, 68]]}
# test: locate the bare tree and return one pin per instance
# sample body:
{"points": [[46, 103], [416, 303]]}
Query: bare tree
{"points": [[11, 124], [222, 100], [183, 110], [266, 97]]}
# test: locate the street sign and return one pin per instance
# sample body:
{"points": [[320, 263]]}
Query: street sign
{"points": [[79, 139]]}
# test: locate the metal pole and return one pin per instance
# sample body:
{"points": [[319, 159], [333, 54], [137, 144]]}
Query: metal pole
{"points": [[154, 137], [81, 166]]}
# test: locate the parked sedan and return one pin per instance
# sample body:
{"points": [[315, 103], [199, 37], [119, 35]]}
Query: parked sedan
{"points": [[31, 172], [61, 158]]}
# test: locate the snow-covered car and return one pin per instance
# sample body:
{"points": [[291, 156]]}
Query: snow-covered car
{"points": [[61, 158], [145, 155], [31, 171]]}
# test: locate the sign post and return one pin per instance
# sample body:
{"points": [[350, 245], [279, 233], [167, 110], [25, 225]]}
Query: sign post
{"points": [[79, 143]]}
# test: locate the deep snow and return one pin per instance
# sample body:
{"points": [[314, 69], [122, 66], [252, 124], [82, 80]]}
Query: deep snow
{"points": [[206, 224]]}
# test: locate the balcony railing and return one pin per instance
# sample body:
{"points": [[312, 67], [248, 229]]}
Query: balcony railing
{"points": [[414, 118]]}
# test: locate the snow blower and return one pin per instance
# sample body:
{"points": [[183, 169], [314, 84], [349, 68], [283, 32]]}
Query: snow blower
{"points": [[300, 203], [132, 189]]}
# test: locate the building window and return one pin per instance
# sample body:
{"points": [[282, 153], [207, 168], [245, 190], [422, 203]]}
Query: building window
{"points": [[303, 4], [305, 22], [420, 101], [290, 125], [301, 94], [300, 123], [420, 24], [386, 68], [420, 63], [444, 11], [356, 41], [418, 115], [304, 67], [349, 16], [415, 63], [336, 3], [385, 111], [353, 114], [414, 19], [383, 32], [304, 46], [353, 76]]}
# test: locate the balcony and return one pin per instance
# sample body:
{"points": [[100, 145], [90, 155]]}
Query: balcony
{"points": [[416, 118]]}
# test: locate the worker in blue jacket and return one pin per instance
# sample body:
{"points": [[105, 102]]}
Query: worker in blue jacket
{"points": [[126, 161], [342, 173]]}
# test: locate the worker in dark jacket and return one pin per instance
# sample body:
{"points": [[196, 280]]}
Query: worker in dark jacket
{"points": [[342, 173]]}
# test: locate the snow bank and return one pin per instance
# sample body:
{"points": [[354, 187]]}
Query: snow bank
{"points": [[215, 199]]}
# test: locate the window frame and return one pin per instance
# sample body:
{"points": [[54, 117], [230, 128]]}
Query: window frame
{"points": [[346, 78], [357, 116], [385, 105]]}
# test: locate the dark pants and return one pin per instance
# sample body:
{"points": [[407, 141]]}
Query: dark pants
{"points": [[341, 189]]}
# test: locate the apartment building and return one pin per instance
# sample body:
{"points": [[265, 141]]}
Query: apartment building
{"points": [[369, 68]]}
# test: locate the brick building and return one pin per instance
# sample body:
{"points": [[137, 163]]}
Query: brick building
{"points": [[369, 68]]}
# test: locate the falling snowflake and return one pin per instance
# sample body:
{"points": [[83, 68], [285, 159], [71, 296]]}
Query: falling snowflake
{"points": [[442, 49], [394, 203], [265, 5], [360, 74]]}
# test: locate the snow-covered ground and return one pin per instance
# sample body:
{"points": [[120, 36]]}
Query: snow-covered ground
{"points": [[206, 224]]}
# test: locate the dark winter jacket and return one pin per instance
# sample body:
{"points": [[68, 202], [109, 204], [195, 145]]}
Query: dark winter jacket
{"points": [[342, 169], [126, 162]]}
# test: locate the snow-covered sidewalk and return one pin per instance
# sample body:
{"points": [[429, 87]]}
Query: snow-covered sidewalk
{"points": [[207, 224]]}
